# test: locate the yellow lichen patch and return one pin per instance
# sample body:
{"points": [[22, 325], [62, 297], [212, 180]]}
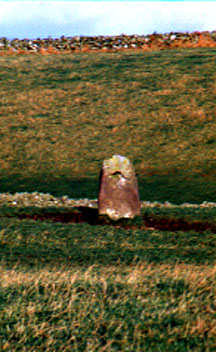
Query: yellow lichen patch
{"points": [[118, 163]]}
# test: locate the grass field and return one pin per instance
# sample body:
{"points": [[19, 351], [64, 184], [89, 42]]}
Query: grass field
{"points": [[62, 115], [84, 287], [145, 307], [147, 284]]}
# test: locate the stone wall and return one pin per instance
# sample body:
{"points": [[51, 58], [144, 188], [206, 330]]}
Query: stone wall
{"points": [[153, 41]]}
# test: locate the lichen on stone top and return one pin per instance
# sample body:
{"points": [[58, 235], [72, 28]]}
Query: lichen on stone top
{"points": [[118, 163]]}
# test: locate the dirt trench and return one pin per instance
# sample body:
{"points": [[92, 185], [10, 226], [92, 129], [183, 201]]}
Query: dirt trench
{"points": [[90, 216]]}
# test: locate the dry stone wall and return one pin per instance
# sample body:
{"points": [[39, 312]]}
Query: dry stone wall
{"points": [[109, 43]]}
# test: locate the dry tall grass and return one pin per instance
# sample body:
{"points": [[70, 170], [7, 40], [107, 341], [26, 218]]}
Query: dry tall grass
{"points": [[63, 300]]}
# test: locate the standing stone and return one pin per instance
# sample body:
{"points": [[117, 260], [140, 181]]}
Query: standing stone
{"points": [[118, 192]]}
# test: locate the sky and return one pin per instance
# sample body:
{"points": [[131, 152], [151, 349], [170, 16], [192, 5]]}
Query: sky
{"points": [[41, 19]]}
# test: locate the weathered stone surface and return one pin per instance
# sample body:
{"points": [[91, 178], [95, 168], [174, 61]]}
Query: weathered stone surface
{"points": [[118, 191]]}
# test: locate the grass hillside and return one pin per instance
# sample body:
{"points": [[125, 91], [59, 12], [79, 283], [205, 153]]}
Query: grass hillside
{"points": [[62, 115], [71, 280]]}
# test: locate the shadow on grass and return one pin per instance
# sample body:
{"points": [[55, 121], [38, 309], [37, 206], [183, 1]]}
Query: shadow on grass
{"points": [[57, 186], [174, 188]]}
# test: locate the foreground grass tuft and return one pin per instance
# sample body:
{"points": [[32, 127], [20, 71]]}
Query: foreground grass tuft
{"points": [[134, 308]]}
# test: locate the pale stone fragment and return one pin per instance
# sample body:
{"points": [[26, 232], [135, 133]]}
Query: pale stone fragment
{"points": [[118, 190]]}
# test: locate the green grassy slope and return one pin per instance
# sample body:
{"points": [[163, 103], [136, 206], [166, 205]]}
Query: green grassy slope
{"points": [[62, 115]]}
